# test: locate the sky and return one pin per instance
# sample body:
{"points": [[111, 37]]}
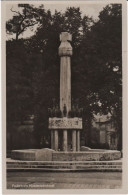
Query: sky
{"points": [[89, 9]]}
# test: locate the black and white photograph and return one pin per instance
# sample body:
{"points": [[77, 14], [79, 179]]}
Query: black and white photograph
{"points": [[64, 96]]}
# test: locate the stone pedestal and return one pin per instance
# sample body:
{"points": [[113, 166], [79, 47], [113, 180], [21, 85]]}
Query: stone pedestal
{"points": [[65, 125]]}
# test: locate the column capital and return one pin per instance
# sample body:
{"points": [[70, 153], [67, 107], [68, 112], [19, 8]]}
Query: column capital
{"points": [[65, 48], [65, 36]]}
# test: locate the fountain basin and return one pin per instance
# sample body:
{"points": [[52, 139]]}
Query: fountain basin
{"points": [[47, 154], [91, 155]]}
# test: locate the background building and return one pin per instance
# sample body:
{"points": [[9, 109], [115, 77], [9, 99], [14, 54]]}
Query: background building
{"points": [[103, 132]]}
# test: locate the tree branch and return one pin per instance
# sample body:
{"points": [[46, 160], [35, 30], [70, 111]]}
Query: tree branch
{"points": [[26, 27], [16, 12]]}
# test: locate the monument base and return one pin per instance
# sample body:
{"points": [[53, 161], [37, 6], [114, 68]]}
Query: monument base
{"points": [[47, 154]]}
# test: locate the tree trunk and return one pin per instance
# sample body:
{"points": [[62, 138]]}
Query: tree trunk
{"points": [[17, 36]]}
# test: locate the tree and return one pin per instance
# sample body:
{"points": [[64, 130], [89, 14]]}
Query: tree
{"points": [[22, 20], [102, 58]]}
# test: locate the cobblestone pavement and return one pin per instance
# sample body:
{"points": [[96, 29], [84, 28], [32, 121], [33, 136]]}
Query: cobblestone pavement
{"points": [[74, 180]]}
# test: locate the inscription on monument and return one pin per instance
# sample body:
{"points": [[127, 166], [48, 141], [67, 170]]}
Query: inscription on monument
{"points": [[65, 123]]}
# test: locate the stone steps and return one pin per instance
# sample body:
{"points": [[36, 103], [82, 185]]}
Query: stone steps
{"points": [[64, 166], [64, 170], [62, 163]]}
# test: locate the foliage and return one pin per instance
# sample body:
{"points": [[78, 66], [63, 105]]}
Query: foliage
{"points": [[22, 20]]}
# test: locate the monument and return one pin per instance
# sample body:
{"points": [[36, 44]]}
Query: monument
{"points": [[65, 122]]}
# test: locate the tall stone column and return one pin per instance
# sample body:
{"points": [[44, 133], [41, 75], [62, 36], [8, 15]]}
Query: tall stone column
{"points": [[78, 140], [65, 137], [65, 53], [56, 140], [74, 140]]}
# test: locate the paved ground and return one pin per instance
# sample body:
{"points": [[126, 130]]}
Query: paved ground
{"points": [[74, 180]]}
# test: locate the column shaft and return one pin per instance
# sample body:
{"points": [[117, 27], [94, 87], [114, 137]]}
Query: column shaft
{"points": [[78, 140], [74, 140], [56, 140], [52, 139], [65, 83], [65, 143]]}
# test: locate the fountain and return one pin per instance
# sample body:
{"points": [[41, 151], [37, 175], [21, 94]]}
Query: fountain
{"points": [[65, 122]]}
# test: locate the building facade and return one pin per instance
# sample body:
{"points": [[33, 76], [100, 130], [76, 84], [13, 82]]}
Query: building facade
{"points": [[103, 132]]}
